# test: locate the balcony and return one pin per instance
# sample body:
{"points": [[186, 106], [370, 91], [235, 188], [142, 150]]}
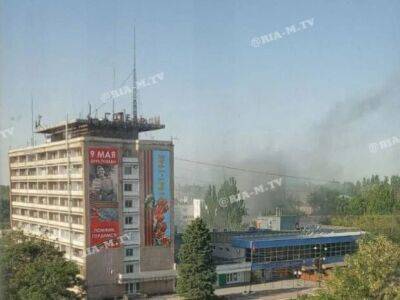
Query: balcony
{"points": [[47, 222], [47, 207]]}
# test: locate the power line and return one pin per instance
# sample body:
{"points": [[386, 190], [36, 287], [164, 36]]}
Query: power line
{"points": [[252, 171]]}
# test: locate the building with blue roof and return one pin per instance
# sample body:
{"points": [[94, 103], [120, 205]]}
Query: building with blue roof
{"points": [[274, 255]]}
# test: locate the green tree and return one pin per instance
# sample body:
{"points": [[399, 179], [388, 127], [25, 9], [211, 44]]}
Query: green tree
{"points": [[196, 271], [387, 225], [210, 206], [224, 209], [34, 269], [232, 208], [372, 273], [4, 207]]}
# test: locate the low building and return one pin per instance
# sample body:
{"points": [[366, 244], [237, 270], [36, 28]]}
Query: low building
{"points": [[271, 255], [186, 210], [279, 256]]}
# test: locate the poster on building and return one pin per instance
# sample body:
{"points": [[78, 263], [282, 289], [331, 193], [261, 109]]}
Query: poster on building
{"points": [[104, 227], [103, 174], [158, 202], [103, 188]]}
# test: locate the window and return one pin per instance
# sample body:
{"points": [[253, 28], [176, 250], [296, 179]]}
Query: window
{"points": [[132, 237], [129, 220], [77, 236], [64, 218], [131, 288], [129, 268], [54, 217], [62, 170], [77, 252], [128, 187], [77, 202], [64, 234], [63, 201], [76, 169], [129, 252], [128, 170], [77, 219], [232, 277], [76, 186], [53, 201], [128, 203]]}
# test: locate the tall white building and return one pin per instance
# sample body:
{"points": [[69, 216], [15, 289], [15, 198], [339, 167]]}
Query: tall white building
{"points": [[105, 198]]}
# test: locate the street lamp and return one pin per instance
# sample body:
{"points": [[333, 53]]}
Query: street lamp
{"points": [[252, 248], [297, 274], [318, 263]]}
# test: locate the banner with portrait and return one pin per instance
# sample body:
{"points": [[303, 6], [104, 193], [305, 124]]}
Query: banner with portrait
{"points": [[103, 194]]}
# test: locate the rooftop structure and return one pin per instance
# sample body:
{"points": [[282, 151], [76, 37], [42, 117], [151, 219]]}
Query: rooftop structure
{"points": [[118, 125]]}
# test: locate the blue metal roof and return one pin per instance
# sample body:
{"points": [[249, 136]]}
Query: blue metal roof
{"points": [[294, 240]]}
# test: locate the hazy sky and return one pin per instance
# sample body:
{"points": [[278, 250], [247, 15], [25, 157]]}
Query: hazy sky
{"points": [[314, 99]]}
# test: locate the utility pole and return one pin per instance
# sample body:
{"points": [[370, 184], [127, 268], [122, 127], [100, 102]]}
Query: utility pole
{"points": [[69, 187], [251, 264]]}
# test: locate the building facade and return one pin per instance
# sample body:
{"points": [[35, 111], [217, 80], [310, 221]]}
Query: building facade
{"points": [[105, 198], [272, 255]]}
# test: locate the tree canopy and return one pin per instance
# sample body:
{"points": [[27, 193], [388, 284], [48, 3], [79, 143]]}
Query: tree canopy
{"points": [[369, 196], [196, 271], [4, 207], [34, 269], [222, 209], [371, 273]]}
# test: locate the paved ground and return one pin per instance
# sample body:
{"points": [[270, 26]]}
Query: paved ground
{"points": [[279, 290]]}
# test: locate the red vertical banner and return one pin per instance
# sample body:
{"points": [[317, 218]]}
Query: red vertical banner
{"points": [[157, 197], [148, 198], [103, 191]]}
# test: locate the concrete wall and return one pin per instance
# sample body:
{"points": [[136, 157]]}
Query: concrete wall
{"points": [[157, 287]]}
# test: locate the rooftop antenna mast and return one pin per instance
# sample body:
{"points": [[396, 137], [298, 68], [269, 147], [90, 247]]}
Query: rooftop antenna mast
{"points": [[113, 99], [114, 69], [32, 126], [134, 90]]}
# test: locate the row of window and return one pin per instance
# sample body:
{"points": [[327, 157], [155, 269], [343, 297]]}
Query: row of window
{"points": [[54, 234], [50, 186], [300, 252], [45, 215], [56, 201], [63, 201], [73, 152], [47, 170]]}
